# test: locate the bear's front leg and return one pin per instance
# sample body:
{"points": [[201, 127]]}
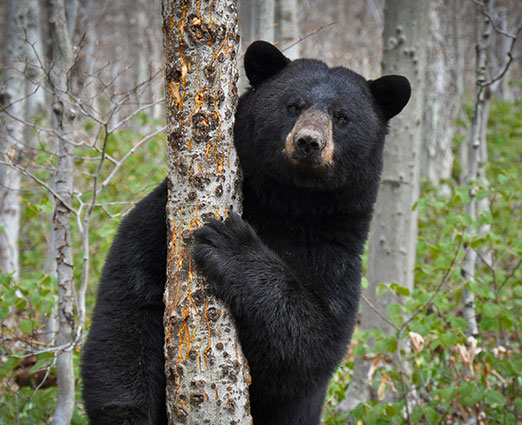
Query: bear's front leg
{"points": [[284, 329], [231, 255]]}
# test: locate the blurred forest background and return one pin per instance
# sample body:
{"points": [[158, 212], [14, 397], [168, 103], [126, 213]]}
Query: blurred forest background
{"points": [[82, 139]]}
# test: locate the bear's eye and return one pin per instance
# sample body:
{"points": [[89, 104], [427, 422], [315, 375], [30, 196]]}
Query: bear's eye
{"points": [[293, 108], [341, 117]]}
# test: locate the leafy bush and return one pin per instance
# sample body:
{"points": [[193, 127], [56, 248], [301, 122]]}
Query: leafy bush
{"points": [[25, 305], [456, 378]]}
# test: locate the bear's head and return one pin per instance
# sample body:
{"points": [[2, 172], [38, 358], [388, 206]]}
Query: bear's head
{"points": [[309, 127]]}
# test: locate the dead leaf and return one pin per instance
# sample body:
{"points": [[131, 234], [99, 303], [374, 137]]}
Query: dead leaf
{"points": [[417, 341]]}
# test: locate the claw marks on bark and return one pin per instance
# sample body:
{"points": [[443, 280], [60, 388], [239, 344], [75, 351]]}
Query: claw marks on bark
{"points": [[207, 381]]}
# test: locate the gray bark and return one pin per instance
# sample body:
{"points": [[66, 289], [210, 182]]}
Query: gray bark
{"points": [[63, 118], [12, 100], [257, 19], [287, 28], [35, 102], [344, 33], [265, 20], [475, 175], [393, 234], [207, 375], [442, 101], [71, 11]]}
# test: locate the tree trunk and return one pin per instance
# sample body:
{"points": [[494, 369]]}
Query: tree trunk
{"points": [[207, 375], [63, 117], [287, 28], [35, 102], [393, 234], [441, 103], [257, 22], [12, 101], [265, 20], [476, 148], [71, 11]]}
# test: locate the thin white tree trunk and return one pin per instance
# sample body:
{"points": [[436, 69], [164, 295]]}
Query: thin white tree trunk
{"points": [[441, 103], [257, 22], [35, 102], [476, 146], [265, 20], [12, 102], [287, 28], [71, 11], [207, 375], [63, 118], [393, 234]]}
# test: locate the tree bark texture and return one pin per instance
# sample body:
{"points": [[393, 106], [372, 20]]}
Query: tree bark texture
{"points": [[287, 28], [393, 233], [257, 19], [348, 33], [35, 100], [475, 175], [207, 374], [12, 94], [63, 118], [442, 101]]}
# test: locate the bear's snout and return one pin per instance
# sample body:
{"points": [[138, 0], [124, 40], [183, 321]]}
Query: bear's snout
{"points": [[310, 141], [308, 144]]}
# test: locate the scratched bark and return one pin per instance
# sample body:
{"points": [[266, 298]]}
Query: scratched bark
{"points": [[207, 374]]}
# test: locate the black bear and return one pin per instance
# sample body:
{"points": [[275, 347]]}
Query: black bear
{"points": [[310, 141]]}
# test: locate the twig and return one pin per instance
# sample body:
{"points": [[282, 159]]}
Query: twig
{"points": [[508, 62], [40, 182], [435, 293], [497, 30], [128, 154], [304, 37], [511, 273], [376, 310]]}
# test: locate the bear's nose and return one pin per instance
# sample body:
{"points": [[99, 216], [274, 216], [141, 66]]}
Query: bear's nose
{"points": [[308, 145]]}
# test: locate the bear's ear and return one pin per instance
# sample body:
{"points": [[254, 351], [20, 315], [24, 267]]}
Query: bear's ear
{"points": [[262, 61], [392, 93]]}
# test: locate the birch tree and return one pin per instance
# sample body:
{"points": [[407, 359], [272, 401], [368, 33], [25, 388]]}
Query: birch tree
{"points": [[393, 233], [442, 101], [12, 93], [63, 119], [476, 145], [287, 28], [207, 375]]}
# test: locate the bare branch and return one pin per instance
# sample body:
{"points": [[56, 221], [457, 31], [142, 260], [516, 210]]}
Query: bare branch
{"points": [[40, 182], [376, 310], [128, 154], [492, 19], [435, 293], [507, 63], [304, 37]]}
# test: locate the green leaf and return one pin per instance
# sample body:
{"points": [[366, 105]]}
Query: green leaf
{"points": [[391, 410], [4, 311], [491, 310], [495, 398], [518, 291], [447, 393], [449, 339], [401, 290], [40, 364], [27, 326], [20, 303], [431, 414], [364, 283], [31, 211]]}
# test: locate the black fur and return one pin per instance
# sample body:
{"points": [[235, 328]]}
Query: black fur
{"points": [[289, 268]]}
